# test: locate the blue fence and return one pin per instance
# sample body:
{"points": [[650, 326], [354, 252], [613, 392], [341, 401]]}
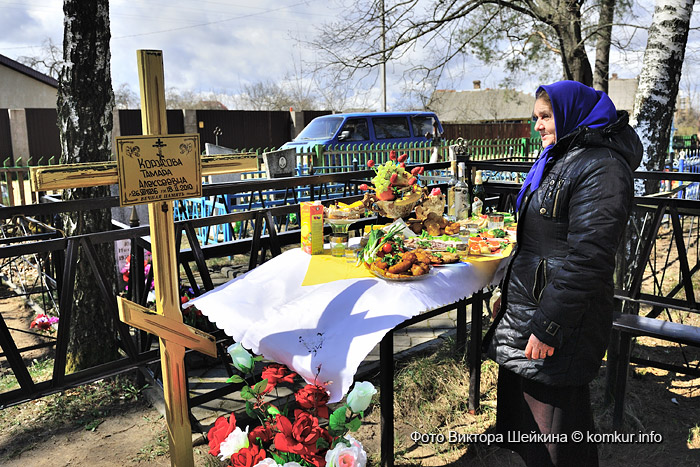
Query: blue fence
{"points": [[689, 161]]}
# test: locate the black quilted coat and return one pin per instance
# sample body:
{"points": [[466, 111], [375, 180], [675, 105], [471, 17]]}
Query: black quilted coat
{"points": [[559, 284]]}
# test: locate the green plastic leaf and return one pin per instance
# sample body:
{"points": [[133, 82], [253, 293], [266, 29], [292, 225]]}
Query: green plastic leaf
{"points": [[336, 421], [322, 444], [272, 410], [246, 393], [249, 409], [260, 387], [354, 424], [235, 379]]}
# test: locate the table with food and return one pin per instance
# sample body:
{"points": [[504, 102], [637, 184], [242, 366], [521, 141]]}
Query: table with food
{"points": [[321, 311]]}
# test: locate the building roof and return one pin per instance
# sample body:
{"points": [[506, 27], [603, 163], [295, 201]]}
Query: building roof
{"points": [[481, 105], [24, 69], [622, 92]]}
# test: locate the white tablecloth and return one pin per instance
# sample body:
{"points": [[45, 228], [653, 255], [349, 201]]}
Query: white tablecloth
{"points": [[323, 332]]}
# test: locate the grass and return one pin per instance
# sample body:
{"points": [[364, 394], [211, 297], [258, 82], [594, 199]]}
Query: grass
{"points": [[39, 370], [156, 448], [85, 406], [431, 394], [694, 437]]}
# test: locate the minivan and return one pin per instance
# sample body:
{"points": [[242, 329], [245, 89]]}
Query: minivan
{"points": [[367, 127]]}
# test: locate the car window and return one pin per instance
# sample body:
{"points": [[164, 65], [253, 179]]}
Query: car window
{"points": [[357, 129], [422, 125], [320, 128], [391, 127]]}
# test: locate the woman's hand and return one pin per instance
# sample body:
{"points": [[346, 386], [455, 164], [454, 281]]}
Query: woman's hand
{"points": [[537, 349]]}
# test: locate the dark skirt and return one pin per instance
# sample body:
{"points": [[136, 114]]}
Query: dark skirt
{"points": [[531, 413]]}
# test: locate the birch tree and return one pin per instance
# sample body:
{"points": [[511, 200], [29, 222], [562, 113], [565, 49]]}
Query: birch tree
{"points": [[85, 102], [516, 35], [659, 81]]}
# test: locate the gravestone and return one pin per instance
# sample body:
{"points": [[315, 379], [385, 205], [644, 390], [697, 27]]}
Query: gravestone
{"points": [[280, 163]]}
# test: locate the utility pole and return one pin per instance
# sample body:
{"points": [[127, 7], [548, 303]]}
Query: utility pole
{"points": [[382, 66]]}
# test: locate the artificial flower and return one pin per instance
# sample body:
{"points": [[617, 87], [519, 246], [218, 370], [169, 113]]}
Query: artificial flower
{"points": [[315, 398], [262, 433], [275, 373], [267, 462], [242, 359], [248, 457], [219, 432], [43, 322], [343, 455], [283, 439], [360, 397], [234, 442]]}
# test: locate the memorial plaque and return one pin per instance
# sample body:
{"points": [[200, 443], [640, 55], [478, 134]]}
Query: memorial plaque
{"points": [[158, 168]]}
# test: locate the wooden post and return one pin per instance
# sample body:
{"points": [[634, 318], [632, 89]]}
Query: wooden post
{"points": [[164, 258], [166, 323]]}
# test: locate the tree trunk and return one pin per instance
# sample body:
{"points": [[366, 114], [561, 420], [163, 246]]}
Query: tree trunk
{"points": [[658, 83], [85, 102], [567, 24], [602, 45]]}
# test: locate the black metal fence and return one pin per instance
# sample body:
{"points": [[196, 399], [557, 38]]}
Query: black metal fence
{"points": [[28, 233]]}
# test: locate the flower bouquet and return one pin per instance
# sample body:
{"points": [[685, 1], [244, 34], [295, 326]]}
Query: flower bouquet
{"points": [[285, 437], [396, 190], [44, 323]]}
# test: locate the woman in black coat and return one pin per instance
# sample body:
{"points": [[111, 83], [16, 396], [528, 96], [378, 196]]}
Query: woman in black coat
{"points": [[553, 327]]}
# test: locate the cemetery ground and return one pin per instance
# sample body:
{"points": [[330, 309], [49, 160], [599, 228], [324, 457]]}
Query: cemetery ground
{"points": [[111, 422]]}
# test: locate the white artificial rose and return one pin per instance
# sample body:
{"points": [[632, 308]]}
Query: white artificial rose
{"points": [[242, 359], [234, 442], [291, 464], [361, 396], [347, 456], [267, 462]]}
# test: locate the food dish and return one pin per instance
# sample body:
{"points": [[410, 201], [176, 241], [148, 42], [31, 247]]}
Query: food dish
{"points": [[441, 258], [480, 246], [397, 277]]}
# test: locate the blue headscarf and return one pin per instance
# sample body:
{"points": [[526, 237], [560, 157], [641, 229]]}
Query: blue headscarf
{"points": [[574, 105]]}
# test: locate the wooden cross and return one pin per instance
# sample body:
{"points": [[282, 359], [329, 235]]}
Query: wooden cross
{"points": [[166, 322]]}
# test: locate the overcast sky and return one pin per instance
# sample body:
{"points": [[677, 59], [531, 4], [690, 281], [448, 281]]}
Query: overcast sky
{"points": [[222, 45]]}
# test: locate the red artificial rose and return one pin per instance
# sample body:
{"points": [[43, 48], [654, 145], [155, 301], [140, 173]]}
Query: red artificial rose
{"points": [[313, 398], [392, 155], [403, 157], [218, 433], [284, 439], [248, 457], [306, 428], [364, 187], [301, 436], [264, 432], [274, 373], [184, 299], [370, 163]]}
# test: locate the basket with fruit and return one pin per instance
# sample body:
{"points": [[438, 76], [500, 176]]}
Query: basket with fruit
{"points": [[396, 191]]}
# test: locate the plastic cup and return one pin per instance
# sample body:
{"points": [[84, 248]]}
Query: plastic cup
{"points": [[339, 243], [496, 221]]}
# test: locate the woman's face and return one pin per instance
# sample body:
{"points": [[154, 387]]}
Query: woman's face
{"points": [[544, 123]]}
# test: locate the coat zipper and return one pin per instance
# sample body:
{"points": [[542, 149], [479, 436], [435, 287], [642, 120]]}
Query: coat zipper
{"points": [[556, 198], [540, 283]]}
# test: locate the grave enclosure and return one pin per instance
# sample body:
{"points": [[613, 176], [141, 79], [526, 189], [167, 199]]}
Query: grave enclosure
{"points": [[264, 231]]}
